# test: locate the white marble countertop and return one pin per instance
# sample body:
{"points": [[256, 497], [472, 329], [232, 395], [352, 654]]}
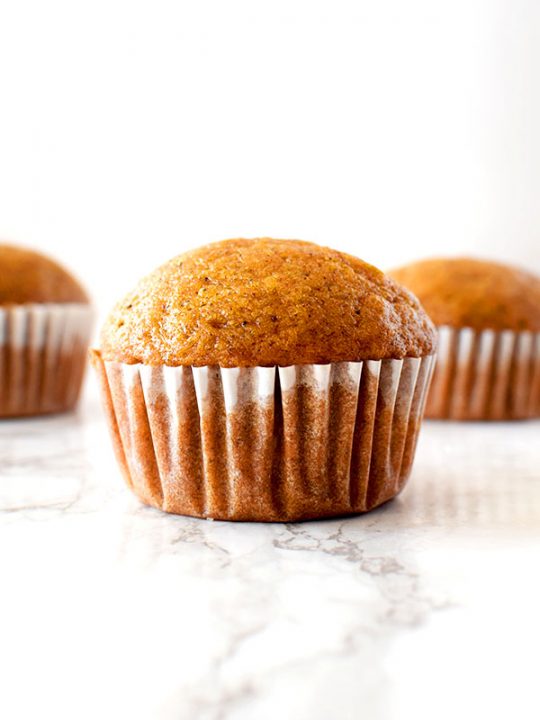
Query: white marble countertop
{"points": [[425, 608]]}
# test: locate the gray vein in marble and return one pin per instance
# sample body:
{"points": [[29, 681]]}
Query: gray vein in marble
{"points": [[281, 607]]}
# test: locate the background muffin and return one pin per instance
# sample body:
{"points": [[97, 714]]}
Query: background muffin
{"points": [[265, 380], [488, 315], [45, 321]]}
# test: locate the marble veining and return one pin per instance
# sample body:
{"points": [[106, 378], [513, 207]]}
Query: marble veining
{"points": [[423, 608]]}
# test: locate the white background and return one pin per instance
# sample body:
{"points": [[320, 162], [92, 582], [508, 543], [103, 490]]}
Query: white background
{"points": [[130, 131]]}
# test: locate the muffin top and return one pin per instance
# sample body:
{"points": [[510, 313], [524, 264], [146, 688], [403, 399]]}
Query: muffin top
{"points": [[27, 276], [464, 292], [241, 303]]}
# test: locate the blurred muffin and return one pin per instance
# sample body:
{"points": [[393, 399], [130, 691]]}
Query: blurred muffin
{"points": [[488, 317], [265, 380], [45, 319]]}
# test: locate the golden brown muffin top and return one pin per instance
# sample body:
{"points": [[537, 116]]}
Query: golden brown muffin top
{"points": [[241, 303], [464, 292], [27, 276]]}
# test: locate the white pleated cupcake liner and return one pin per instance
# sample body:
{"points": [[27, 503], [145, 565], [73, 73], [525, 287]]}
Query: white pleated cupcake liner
{"points": [[43, 349], [485, 375], [266, 443]]}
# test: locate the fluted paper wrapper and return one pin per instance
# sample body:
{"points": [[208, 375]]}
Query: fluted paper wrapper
{"points": [[485, 375], [266, 443], [43, 351]]}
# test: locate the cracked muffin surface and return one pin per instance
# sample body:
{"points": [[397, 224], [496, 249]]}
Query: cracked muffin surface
{"points": [[247, 302]]}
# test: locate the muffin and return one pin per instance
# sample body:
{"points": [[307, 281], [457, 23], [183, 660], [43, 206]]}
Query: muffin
{"points": [[488, 317], [267, 380], [45, 320]]}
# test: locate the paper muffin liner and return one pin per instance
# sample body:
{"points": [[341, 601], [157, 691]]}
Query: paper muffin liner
{"points": [[265, 443], [485, 375], [42, 357]]}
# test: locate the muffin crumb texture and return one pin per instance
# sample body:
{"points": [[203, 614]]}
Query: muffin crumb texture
{"points": [[241, 303], [465, 292], [27, 276]]}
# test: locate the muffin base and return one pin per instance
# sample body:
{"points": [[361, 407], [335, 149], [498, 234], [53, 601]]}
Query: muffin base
{"points": [[42, 357], [265, 444], [485, 375]]}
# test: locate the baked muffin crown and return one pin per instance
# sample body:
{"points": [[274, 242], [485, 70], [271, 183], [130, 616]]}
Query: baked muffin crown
{"points": [[241, 303], [480, 294], [27, 276]]}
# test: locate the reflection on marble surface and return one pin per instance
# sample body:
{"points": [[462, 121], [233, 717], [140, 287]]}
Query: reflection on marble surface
{"points": [[423, 608]]}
